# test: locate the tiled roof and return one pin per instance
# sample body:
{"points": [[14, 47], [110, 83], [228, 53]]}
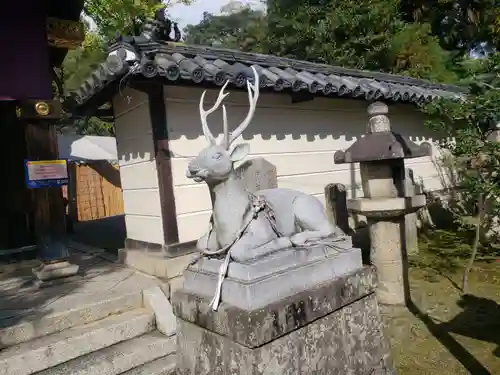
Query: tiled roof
{"points": [[180, 64]]}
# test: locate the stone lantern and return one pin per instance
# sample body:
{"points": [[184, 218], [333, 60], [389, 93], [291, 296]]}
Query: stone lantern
{"points": [[381, 153], [494, 135]]}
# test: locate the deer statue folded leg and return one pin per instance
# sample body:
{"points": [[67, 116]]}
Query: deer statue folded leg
{"points": [[245, 226]]}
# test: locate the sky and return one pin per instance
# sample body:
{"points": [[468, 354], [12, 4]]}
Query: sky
{"points": [[193, 14]]}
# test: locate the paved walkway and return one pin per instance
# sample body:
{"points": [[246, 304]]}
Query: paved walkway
{"points": [[98, 278]]}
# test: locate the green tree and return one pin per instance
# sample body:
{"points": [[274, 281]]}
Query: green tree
{"points": [[349, 33], [108, 16], [125, 16], [363, 34], [415, 52], [238, 27], [460, 26], [77, 66], [466, 127]]}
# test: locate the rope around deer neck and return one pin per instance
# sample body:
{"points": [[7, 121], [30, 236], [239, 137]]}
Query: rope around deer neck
{"points": [[258, 204]]}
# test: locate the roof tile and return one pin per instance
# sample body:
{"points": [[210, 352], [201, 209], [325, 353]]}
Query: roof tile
{"points": [[181, 64]]}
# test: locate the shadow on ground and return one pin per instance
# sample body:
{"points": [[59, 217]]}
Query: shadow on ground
{"points": [[22, 300], [106, 233], [442, 331], [479, 320]]}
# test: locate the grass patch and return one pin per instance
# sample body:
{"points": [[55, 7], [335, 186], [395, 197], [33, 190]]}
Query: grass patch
{"points": [[446, 252], [447, 333]]}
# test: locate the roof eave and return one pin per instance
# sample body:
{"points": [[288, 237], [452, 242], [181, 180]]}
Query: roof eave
{"points": [[150, 60]]}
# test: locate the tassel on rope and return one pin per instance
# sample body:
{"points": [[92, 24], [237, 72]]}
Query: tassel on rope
{"points": [[214, 304], [258, 204]]}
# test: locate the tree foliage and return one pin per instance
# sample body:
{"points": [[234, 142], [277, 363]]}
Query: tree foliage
{"points": [[460, 26], [348, 33], [108, 17], [415, 52], [238, 27], [363, 34], [466, 128], [125, 16], [77, 66]]}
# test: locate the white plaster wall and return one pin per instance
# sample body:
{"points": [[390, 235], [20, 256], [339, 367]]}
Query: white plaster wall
{"points": [[139, 178], [300, 139]]}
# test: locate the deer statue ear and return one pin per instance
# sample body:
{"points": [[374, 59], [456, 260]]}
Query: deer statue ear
{"points": [[240, 151]]}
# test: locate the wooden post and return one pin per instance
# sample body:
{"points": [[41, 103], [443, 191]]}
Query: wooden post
{"points": [[41, 143], [49, 217], [72, 192], [336, 203], [15, 202]]}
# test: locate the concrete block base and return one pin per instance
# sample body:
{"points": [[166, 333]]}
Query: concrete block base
{"points": [[56, 282], [52, 271], [258, 282], [155, 264], [334, 328]]}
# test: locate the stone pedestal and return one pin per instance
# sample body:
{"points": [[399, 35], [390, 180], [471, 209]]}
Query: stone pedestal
{"points": [[386, 218], [255, 284], [386, 252], [48, 274], [332, 328], [411, 228], [55, 263]]}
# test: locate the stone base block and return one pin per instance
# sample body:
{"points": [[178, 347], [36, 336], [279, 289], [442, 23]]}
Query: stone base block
{"points": [[334, 328], [51, 271], [155, 264], [56, 282], [256, 283], [156, 300]]}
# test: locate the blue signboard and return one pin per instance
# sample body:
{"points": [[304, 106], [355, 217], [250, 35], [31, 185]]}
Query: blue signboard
{"points": [[45, 173]]}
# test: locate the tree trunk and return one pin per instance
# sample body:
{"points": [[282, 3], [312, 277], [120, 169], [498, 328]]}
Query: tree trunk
{"points": [[475, 245]]}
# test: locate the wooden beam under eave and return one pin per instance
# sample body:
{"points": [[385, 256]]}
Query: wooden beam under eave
{"points": [[65, 33]]}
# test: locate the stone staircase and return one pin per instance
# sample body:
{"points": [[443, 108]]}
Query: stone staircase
{"points": [[109, 335]]}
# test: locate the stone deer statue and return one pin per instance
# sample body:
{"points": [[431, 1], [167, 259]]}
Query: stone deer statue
{"points": [[248, 225]]}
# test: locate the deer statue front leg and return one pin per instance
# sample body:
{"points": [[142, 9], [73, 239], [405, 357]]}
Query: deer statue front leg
{"points": [[258, 240]]}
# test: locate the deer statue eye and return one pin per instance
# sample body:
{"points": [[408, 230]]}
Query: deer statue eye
{"points": [[217, 156]]}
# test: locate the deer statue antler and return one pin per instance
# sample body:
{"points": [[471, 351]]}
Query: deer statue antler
{"points": [[229, 138], [225, 128], [204, 114], [253, 97]]}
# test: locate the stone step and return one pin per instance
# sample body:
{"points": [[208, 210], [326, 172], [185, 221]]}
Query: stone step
{"points": [[150, 351], [49, 351], [64, 315], [161, 366]]}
